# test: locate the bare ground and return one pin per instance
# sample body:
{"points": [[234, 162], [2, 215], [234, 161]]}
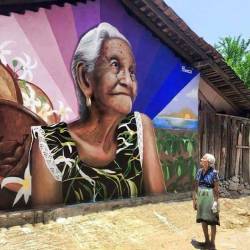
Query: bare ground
{"points": [[153, 226]]}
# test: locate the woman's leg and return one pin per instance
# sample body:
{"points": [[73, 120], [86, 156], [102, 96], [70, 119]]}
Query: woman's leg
{"points": [[213, 233], [205, 231]]}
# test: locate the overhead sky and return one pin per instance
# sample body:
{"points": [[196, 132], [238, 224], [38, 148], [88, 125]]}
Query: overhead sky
{"points": [[214, 18]]}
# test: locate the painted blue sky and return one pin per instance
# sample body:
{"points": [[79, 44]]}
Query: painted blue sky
{"points": [[214, 18], [186, 98]]}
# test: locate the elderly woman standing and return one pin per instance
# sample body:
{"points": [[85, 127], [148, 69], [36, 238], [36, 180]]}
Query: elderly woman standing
{"points": [[109, 152], [205, 198]]}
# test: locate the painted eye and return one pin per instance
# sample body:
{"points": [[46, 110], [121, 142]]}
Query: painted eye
{"points": [[115, 65], [132, 76]]}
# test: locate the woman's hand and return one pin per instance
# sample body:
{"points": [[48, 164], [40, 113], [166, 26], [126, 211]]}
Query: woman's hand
{"points": [[216, 191], [195, 204], [194, 197], [215, 207]]}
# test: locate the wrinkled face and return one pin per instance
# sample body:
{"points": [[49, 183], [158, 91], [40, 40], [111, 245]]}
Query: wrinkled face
{"points": [[114, 81], [204, 162]]}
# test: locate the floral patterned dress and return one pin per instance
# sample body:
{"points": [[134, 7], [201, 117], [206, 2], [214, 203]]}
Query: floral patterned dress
{"points": [[122, 178]]}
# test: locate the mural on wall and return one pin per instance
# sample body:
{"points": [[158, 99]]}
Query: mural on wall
{"points": [[177, 131], [100, 142]]}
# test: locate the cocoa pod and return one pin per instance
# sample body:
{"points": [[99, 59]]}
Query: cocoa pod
{"points": [[5, 169], [8, 160], [8, 147]]}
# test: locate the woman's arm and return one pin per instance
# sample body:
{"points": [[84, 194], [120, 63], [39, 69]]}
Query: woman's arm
{"points": [[152, 172], [194, 195], [216, 190], [45, 189]]}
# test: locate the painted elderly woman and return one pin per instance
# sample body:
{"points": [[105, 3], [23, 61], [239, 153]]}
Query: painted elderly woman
{"points": [[205, 199], [110, 152]]}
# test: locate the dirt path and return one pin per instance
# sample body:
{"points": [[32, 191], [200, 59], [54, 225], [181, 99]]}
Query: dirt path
{"points": [[158, 226]]}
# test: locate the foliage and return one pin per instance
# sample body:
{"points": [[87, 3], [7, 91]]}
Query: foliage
{"points": [[236, 53], [177, 151]]}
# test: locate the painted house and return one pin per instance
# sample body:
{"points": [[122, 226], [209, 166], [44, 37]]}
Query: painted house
{"points": [[195, 101]]}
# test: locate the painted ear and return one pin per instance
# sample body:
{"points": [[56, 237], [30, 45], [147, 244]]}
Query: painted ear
{"points": [[82, 78]]}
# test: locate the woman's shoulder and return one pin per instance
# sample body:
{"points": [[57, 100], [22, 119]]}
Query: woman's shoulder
{"points": [[213, 171], [139, 121], [145, 119], [199, 170], [215, 174], [198, 173]]}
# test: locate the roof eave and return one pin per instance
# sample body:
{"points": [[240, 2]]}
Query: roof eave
{"points": [[176, 34]]}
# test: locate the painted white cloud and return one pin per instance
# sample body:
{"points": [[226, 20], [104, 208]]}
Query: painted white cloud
{"points": [[192, 94]]}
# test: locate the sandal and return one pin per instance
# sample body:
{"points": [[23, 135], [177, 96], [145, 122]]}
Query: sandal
{"points": [[212, 246], [204, 244]]}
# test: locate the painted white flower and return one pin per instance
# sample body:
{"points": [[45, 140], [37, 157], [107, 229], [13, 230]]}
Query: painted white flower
{"points": [[25, 183], [63, 111], [108, 171], [30, 100], [4, 52], [69, 145], [45, 112], [67, 161], [27, 67], [86, 177], [126, 144]]}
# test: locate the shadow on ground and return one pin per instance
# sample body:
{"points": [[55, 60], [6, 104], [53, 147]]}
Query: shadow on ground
{"points": [[201, 245]]}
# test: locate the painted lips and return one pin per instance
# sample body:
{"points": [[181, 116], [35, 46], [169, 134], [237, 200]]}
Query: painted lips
{"points": [[121, 93]]}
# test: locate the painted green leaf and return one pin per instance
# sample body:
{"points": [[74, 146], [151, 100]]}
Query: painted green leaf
{"points": [[189, 148], [170, 149], [179, 170], [194, 171], [104, 188], [167, 173], [178, 147], [22, 83], [133, 188], [42, 99], [174, 148], [81, 194], [184, 140], [77, 195], [14, 63]]}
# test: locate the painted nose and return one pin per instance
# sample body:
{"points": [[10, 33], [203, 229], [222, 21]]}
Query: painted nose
{"points": [[125, 78]]}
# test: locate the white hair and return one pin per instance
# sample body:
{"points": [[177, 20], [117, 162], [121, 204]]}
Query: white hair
{"points": [[87, 53], [210, 158]]}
